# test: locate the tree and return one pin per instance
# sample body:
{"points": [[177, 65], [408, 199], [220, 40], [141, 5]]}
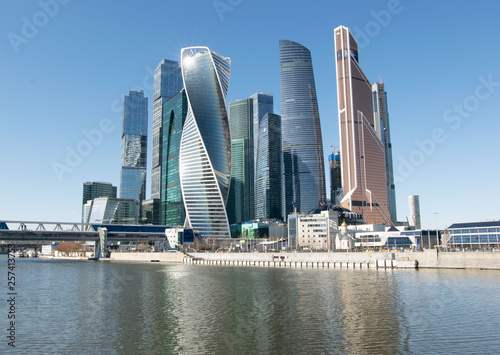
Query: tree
{"points": [[67, 248]]}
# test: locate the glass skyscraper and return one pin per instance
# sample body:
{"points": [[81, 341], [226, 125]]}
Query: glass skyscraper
{"points": [[172, 211], [383, 129], [240, 204], [167, 83], [302, 145], [268, 176], [134, 146], [362, 152], [262, 104], [205, 152]]}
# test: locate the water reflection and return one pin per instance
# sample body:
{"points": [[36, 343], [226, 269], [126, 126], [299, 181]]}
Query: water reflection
{"points": [[122, 308]]}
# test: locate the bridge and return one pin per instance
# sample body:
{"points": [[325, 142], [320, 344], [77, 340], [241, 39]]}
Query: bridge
{"points": [[34, 231]]}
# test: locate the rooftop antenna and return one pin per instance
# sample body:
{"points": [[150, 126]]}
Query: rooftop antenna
{"points": [[380, 78]]}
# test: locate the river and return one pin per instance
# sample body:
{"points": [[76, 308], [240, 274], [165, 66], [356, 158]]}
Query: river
{"points": [[89, 307]]}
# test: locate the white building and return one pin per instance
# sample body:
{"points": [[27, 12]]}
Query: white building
{"points": [[312, 231], [49, 249]]}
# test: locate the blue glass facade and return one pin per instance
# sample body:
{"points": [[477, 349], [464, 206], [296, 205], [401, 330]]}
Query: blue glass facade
{"points": [[134, 146], [205, 153], [240, 204], [268, 178], [172, 211], [167, 83], [303, 162], [262, 104]]}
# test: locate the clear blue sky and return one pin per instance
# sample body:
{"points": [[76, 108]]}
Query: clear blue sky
{"points": [[64, 70]]}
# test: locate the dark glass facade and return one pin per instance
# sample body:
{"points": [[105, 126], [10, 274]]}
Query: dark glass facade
{"points": [[95, 189], [134, 146], [205, 154], [268, 178], [167, 83], [335, 178], [262, 104], [240, 204], [172, 211], [302, 145]]}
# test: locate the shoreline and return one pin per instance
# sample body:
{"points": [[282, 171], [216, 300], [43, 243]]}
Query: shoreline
{"points": [[428, 259]]}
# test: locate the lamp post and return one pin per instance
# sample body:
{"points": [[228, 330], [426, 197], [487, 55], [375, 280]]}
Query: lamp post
{"points": [[437, 230]]}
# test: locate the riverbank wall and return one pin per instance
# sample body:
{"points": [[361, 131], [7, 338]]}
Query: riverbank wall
{"points": [[425, 259], [401, 260]]}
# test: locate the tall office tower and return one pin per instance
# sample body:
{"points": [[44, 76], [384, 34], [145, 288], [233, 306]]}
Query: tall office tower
{"points": [[362, 152], [240, 204], [414, 221], [205, 152], [134, 146], [268, 177], [262, 104], [382, 127], [172, 211], [303, 162], [335, 178], [167, 83]]}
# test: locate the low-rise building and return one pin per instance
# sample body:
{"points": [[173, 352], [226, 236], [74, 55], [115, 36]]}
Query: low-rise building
{"points": [[475, 235], [312, 231]]}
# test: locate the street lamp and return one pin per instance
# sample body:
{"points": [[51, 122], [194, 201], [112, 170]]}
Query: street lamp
{"points": [[437, 230]]}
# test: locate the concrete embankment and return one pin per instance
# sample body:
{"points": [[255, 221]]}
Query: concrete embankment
{"points": [[425, 259], [300, 260]]}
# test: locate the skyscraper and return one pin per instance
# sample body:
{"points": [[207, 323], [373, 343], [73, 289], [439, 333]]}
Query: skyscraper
{"points": [[382, 127], [172, 211], [262, 104], [205, 152], [167, 83], [134, 146], [302, 145], [268, 176], [362, 152], [240, 204]]}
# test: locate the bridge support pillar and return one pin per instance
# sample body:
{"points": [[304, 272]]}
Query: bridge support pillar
{"points": [[100, 250]]}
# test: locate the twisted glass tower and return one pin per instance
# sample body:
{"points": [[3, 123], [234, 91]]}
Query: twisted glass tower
{"points": [[303, 162], [205, 151]]}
